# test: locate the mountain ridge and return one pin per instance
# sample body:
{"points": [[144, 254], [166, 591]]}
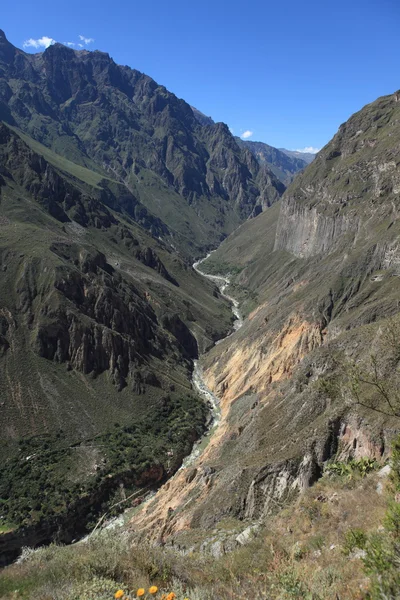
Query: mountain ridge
{"points": [[121, 123]]}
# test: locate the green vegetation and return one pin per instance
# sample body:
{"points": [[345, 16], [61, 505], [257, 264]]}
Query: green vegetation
{"points": [[48, 479], [361, 466], [354, 539], [222, 269], [382, 560]]}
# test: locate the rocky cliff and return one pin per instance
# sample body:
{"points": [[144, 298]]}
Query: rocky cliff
{"points": [[352, 185]]}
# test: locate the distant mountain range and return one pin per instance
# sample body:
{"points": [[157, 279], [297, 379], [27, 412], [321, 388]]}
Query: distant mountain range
{"points": [[282, 163], [307, 157], [285, 164]]}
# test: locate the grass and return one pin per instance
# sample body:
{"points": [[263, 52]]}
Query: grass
{"points": [[6, 527], [91, 177], [307, 550]]}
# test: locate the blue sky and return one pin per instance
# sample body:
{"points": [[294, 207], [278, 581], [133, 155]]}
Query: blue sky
{"points": [[289, 71]]}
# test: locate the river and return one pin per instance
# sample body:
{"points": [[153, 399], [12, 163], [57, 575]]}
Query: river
{"points": [[198, 382], [7, 554]]}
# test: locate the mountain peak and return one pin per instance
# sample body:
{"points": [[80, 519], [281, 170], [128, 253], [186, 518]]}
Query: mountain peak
{"points": [[7, 50]]}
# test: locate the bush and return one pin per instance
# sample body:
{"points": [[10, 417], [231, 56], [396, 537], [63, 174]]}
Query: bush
{"points": [[382, 560], [354, 539], [361, 467]]}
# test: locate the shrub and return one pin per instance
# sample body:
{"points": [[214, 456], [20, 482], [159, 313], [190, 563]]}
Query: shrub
{"points": [[354, 539], [382, 560]]}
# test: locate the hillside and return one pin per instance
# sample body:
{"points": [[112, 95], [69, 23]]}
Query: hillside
{"points": [[99, 323], [284, 166]]}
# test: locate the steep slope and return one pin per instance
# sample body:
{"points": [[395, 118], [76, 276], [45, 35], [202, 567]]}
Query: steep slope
{"points": [[283, 166], [121, 124], [318, 277], [279, 163], [99, 322]]}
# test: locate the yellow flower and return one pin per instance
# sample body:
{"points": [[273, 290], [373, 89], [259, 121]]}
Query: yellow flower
{"points": [[153, 589], [119, 594], [171, 596], [140, 592]]}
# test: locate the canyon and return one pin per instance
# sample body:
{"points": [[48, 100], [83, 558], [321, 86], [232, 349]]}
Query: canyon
{"points": [[225, 386]]}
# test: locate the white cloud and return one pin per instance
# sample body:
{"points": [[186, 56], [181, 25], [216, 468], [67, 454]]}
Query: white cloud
{"points": [[43, 42], [308, 150], [70, 44], [246, 134], [231, 130], [86, 41]]}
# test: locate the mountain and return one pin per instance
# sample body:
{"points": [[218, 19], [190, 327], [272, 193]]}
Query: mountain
{"points": [[99, 323], [122, 125], [201, 117], [283, 165], [318, 279], [307, 157]]}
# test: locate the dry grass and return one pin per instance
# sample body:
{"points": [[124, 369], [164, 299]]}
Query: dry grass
{"points": [[299, 553]]}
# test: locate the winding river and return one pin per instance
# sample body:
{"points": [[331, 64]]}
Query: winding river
{"points": [[198, 382]]}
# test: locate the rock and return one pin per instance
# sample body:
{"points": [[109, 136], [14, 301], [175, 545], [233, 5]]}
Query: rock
{"points": [[191, 475], [246, 535], [384, 472], [358, 554], [216, 549], [321, 498]]}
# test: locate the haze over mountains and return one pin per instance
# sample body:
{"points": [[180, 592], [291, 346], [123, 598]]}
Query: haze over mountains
{"points": [[110, 188]]}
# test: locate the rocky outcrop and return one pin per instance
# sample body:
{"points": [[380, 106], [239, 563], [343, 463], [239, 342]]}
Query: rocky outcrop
{"points": [[352, 185], [149, 258], [91, 319], [306, 232]]}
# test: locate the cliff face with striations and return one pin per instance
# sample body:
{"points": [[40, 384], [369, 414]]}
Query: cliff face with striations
{"points": [[352, 184]]}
